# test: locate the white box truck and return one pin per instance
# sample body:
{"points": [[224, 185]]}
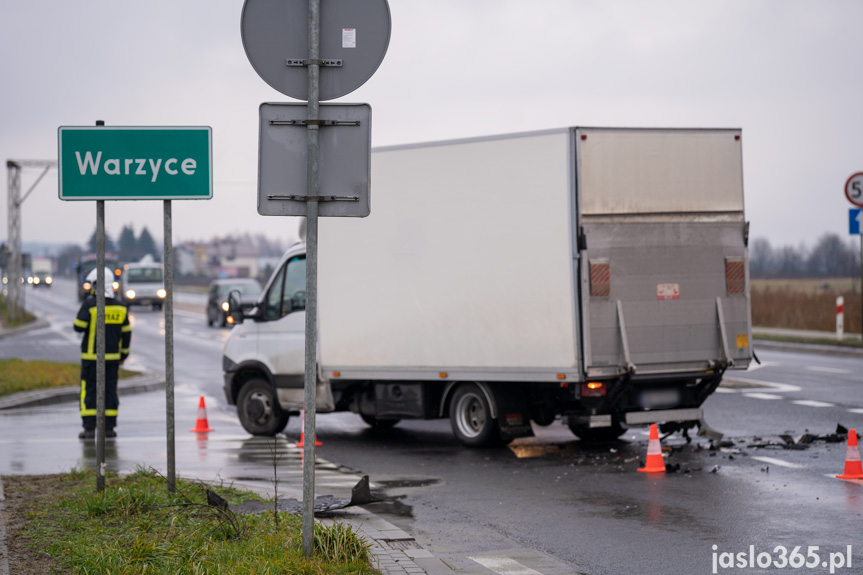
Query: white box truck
{"points": [[594, 276]]}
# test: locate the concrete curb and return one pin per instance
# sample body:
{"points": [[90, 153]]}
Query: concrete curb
{"points": [[37, 324], [72, 393]]}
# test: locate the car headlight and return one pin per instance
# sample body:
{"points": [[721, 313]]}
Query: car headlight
{"points": [[226, 306], [161, 293], [87, 286], [130, 294], [49, 280], [35, 281], [29, 279]]}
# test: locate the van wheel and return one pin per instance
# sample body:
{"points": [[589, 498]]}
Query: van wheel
{"points": [[258, 409], [470, 417], [378, 423]]}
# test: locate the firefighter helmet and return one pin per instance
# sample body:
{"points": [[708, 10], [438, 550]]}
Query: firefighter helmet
{"points": [[109, 281]]}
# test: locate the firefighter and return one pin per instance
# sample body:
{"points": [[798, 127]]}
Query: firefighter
{"points": [[118, 336]]}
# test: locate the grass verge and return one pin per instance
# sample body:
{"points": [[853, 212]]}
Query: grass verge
{"points": [[7, 322], [28, 375], [135, 526], [851, 343]]}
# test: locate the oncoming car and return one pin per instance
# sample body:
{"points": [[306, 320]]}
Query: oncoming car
{"points": [[217, 297], [143, 284]]}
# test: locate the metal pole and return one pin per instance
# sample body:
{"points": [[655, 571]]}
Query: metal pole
{"points": [[861, 283], [169, 345], [100, 345], [13, 302], [311, 376]]}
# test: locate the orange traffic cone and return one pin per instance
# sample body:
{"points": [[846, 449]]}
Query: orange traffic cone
{"points": [[853, 468], [201, 425], [654, 463], [303, 434]]}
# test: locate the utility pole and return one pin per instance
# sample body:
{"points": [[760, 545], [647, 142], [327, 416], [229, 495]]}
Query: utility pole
{"points": [[15, 301]]}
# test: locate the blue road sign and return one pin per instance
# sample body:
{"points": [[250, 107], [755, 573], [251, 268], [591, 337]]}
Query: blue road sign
{"points": [[855, 221]]}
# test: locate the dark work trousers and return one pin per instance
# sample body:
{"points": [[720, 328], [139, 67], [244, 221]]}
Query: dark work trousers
{"points": [[88, 393]]}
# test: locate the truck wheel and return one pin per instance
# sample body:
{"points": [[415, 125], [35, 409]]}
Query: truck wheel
{"points": [[259, 410], [598, 434], [378, 423], [470, 417]]}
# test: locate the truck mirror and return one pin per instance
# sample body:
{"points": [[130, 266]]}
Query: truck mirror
{"points": [[235, 309]]}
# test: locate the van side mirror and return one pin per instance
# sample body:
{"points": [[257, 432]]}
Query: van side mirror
{"points": [[235, 308]]}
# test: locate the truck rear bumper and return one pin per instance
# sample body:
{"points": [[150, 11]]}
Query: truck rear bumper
{"points": [[640, 417], [664, 415]]}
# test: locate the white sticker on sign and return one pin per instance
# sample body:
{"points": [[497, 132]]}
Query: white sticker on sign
{"points": [[667, 291], [349, 37]]}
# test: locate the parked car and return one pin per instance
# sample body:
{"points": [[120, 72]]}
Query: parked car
{"points": [[217, 297]]}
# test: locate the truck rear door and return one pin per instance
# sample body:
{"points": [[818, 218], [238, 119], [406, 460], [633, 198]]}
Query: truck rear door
{"points": [[664, 266]]}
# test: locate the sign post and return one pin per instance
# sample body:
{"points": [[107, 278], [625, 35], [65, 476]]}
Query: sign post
{"points": [[280, 40], [854, 193], [135, 163]]}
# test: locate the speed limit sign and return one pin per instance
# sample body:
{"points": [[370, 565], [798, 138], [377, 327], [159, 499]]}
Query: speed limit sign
{"points": [[854, 189]]}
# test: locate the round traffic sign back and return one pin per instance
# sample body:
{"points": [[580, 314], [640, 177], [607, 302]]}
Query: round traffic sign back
{"points": [[354, 37], [854, 189]]}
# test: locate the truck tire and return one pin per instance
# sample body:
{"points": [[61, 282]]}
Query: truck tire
{"points": [[258, 409], [598, 434], [378, 423], [470, 417]]}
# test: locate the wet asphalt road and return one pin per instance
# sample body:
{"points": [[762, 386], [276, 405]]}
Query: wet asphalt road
{"points": [[548, 503]]}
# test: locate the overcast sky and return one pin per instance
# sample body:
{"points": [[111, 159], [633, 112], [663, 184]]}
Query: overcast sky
{"points": [[788, 72]]}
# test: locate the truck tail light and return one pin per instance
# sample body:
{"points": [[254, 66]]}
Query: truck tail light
{"points": [[593, 389], [735, 276], [600, 278]]}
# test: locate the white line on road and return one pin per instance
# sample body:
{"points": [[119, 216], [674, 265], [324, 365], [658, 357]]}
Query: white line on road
{"points": [[779, 462], [774, 387], [812, 403], [828, 370], [762, 396], [855, 410], [504, 566]]}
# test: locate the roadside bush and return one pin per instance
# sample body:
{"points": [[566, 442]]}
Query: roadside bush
{"points": [[807, 310]]}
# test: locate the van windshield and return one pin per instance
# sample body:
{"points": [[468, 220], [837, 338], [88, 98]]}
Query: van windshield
{"points": [[142, 275]]}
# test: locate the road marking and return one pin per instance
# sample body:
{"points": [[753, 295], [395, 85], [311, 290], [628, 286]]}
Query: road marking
{"points": [[828, 370], [779, 462], [504, 566], [755, 366], [762, 396], [774, 387], [855, 410], [725, 390], [812, 403]]}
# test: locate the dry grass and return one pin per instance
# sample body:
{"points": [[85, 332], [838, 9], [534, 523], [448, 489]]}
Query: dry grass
{"points": [[805, 304]]}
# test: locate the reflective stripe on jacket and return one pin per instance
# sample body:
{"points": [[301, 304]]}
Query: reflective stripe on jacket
{"points": [[118, 330]]}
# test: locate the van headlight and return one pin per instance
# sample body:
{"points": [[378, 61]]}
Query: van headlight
{"points": [[161, 293], [49, 280], [130, 294], [226, 306]]}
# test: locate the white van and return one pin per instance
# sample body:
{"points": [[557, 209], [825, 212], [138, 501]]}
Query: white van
{"points": [[143, 283]]}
